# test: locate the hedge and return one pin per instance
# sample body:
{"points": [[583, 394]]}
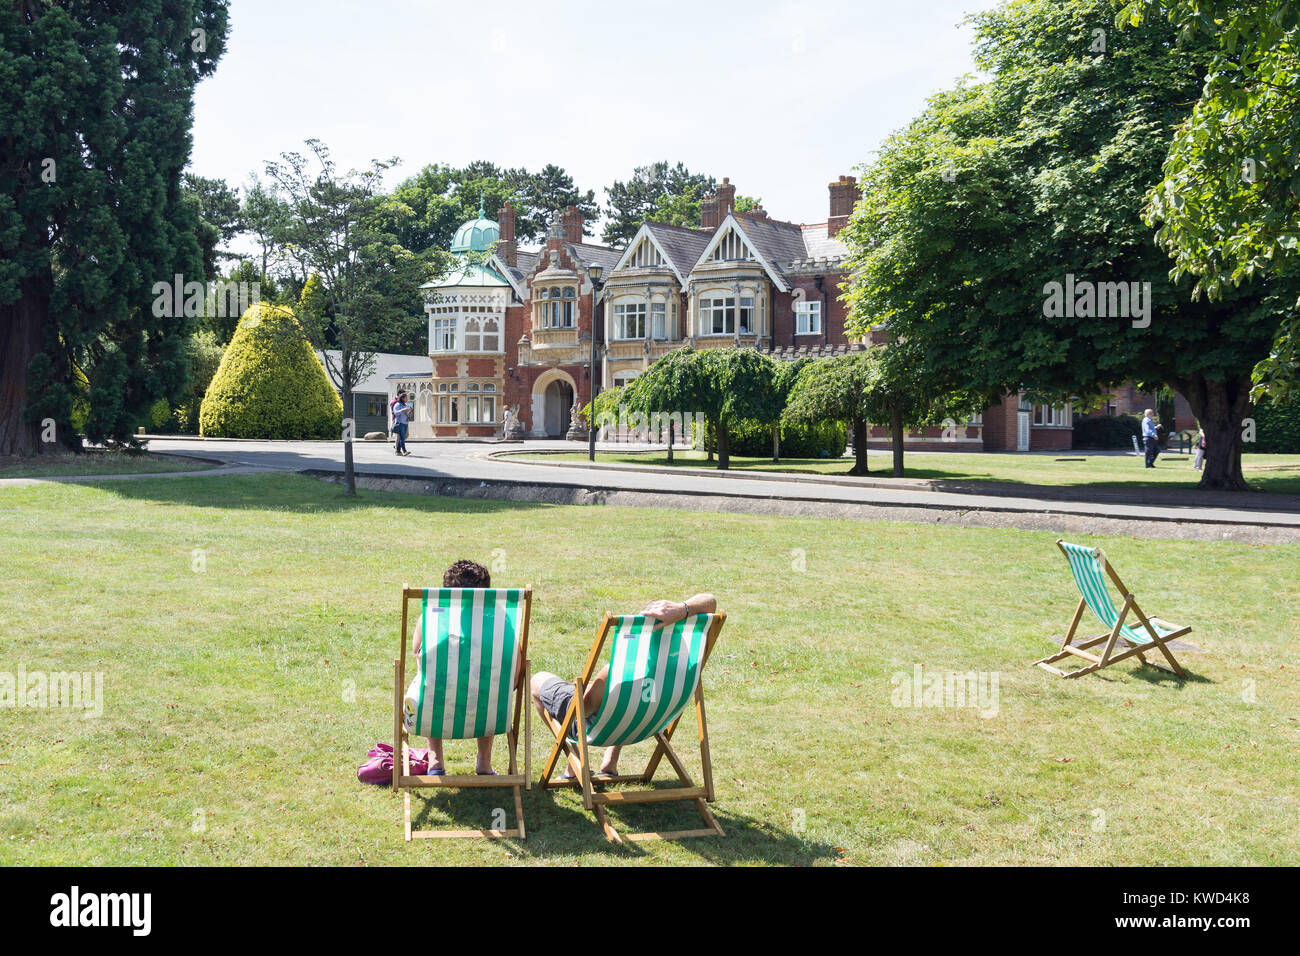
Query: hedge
{"points": [[826, 439], [1277, 430], [1112, 431], [270, 384]]}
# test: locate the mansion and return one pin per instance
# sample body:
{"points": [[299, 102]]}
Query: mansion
{"points": [[510, 329]]}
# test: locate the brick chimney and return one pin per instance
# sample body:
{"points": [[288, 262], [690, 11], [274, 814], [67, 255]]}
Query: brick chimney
{"points": [[573, 220], [844, 196], [507, 248], [709, 212], [726, 198]]}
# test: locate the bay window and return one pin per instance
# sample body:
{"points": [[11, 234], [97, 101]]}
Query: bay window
{"points": [[629, 320]]}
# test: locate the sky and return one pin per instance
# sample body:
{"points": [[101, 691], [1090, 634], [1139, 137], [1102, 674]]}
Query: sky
{"points": [[780, 97]]}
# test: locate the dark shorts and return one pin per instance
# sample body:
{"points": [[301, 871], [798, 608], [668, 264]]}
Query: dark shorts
{"points": [[556, 695]]}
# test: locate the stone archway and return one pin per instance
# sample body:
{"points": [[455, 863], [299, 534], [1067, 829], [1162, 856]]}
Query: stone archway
{"points": [[553, 396]]}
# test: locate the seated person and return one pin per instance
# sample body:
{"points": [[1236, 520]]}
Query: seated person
{"points": [[462, 574], [552, 695]]}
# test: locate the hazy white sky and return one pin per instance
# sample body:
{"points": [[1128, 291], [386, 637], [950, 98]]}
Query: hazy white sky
{"points": [[782, 97]]}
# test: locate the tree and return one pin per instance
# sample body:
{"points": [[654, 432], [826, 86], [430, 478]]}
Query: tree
{"points": [[1229, 201], [979, 217], [841, 388], [544, 193], [632, 202], [96, 105], [724, 385], [270, 384], [358, 273], [219, 214], [264, 216]]}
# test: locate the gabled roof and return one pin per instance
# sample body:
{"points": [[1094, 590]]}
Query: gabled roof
{"points": [[679, 246], [762, 243], [387, 365]]}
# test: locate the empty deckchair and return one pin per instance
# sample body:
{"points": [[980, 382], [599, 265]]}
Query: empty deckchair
{"points": [[469, 681], [1091, 569], [654, 672]]}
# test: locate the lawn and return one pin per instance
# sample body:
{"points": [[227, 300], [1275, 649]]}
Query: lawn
{"points": [[96, 462], [246, 625], [1275, 473]]}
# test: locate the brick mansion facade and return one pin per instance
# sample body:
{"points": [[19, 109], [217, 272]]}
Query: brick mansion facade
{"points": [[510, 329]]}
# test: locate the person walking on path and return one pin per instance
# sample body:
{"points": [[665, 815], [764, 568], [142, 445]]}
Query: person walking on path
{"points": [[1151, 436], [401, 422], [1198, 462]]}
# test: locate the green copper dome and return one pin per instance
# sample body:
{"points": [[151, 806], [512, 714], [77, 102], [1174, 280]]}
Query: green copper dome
{"points": [[477, 235]]}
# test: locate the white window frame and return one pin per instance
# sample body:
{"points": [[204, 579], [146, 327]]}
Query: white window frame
{"points": [[629, 317], [807, 317], [714, 305], [445, 331]]}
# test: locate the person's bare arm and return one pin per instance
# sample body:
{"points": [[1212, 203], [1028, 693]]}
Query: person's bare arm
{"points": [[670, 611]]}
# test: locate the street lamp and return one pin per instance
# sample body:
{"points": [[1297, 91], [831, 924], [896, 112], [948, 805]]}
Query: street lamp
{"points": [[594, 273]]}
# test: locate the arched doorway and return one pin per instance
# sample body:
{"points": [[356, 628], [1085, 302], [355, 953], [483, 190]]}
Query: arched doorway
{"points": [[559, 408], [553, 394]]}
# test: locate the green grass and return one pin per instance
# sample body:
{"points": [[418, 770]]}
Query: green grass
{"points": [[246, 626], [1275, 473], [96, 462]]}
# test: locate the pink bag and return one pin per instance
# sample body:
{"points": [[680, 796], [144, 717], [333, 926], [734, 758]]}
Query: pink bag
{"points": [[379, 768]]}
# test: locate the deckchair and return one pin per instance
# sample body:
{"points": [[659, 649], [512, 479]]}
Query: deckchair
{"points": [[654, 671], [1090, 569], [469, 681]]}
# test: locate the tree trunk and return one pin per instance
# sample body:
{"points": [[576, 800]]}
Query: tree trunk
{"points": [[724, 447], [710, 436], [671, 437], [349, 475], [1222, 407], [896, 438], [776, 443], [22, 336], [860, 448]]}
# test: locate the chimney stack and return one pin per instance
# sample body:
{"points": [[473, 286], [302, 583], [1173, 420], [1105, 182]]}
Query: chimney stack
{"points": [[844, 196], [573, 220], [726, 198], [709, 212], [507, 248]]}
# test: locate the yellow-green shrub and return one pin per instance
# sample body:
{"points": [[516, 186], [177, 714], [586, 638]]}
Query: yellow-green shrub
{"points": [[270, 384]]}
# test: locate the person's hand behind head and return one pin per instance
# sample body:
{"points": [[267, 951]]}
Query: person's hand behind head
{"points": [[665, 611]]}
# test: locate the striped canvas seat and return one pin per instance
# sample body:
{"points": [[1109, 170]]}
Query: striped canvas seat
{"points": [[1090, 578], [467, 661], [1147, 635], [653, 672]]}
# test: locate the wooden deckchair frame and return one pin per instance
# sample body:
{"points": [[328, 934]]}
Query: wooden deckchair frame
{"points": [[1108, 656], [404, 781], [575, 753]]}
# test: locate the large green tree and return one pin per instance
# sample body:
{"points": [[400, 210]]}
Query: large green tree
{"points": [[1000, 234], [1228, 206], [657, 189], [361, 279], [724, 385], [840, 388], [96, 103]]}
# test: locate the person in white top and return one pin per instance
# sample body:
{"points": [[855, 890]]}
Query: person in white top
{"points": [[1151, 436]]}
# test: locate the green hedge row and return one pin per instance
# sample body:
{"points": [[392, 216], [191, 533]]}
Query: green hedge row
{"points": [[822, 440], [1277, 430]]}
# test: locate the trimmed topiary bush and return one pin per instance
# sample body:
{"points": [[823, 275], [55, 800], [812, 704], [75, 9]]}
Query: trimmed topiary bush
{"points": [[270, 384], [1112, 431], [825, 439], [1277, 430]]}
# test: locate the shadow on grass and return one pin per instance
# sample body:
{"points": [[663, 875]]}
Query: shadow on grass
{"points": [[559, 827], [282, 491]]}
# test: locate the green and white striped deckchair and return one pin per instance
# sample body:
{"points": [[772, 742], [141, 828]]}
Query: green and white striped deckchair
{"points": [[472, 664], [655, 670], [1090, 570]]}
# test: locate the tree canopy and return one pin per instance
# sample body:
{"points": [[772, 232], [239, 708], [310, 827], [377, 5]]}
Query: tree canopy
{"points": [[1004, 194], [95, 123]]}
